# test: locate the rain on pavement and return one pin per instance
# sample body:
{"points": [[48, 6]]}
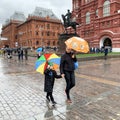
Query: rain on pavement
{"points": [[95, 97]]}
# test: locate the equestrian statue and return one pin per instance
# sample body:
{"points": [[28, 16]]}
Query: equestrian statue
{"points": [[67, 19]]}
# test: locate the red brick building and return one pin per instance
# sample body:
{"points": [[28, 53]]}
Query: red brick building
{"points": [[99, 22], [41, 28]]}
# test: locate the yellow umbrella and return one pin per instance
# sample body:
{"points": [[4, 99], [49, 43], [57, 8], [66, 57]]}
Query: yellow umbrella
{"points": [[78, 44]]}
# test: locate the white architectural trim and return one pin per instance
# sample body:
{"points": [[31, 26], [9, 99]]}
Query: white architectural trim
{"points": [[115, 49], [102, 40], [3, 38]]}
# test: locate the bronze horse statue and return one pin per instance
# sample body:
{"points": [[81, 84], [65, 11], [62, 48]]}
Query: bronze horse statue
{"points": [[69, 23]]}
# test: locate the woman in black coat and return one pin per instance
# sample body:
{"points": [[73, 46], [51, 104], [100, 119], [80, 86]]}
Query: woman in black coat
{"points": [[67, 70], [50, 75]]}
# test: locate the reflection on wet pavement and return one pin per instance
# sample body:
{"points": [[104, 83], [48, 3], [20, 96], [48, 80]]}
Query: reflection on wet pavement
{"points": [[95, 96]]}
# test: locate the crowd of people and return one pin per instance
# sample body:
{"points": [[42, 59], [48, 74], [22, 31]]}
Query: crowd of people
{"points": [[20, 52], [99, 50]]}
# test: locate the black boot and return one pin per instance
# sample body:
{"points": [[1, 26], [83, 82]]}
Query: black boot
{"points": [[53, 102]]}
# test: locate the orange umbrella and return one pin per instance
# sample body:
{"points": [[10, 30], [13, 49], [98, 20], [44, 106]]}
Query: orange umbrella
{"points": [[78, 44]]}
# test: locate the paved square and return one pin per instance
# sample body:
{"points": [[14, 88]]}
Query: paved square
{"points": [[96, 95]]}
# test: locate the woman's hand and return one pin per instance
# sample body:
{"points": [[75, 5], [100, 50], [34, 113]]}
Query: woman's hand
{"points": [[73, 56]]}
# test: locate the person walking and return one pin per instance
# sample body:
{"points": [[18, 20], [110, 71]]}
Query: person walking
{"points": [[21, 54], [50, 75], [26, 54], [39, 54], [9, 56], [105, 53], [67, 70]]}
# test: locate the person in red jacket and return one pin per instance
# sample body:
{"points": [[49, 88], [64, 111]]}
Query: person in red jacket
{"points": [[67, 70]]}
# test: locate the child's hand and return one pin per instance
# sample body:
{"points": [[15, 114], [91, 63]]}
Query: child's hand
{"points": [[63, 75], [48, 66]]}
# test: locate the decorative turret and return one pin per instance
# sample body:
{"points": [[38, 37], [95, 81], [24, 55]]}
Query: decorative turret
{"points": [[19, 16], [44, 12]]}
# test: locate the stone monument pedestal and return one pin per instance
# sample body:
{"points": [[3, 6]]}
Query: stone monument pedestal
{"points": [[62, 39]]}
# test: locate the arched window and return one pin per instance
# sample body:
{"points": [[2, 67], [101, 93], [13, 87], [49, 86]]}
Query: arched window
{"points": [[106, 8], [87, 18]]}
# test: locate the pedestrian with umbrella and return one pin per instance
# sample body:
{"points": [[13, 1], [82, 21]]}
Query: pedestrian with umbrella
{"points": [[69, 60], [39, 52], [50, 75], [67, 70], [47, 65]]}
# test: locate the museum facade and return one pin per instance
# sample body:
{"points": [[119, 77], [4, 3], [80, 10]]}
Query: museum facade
{"points": [[99, 22]]}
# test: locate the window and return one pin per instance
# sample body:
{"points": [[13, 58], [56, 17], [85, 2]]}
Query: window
{"points": [[77, 4], [96, 12], [42, 33], [106, 8], [37, 33], [86, 1], [108, 23], [48, 26], [48, 33], [53, 33], [103, 24], [53, 43], [37, 42], [87, 18], [37, 26], [48, 43], [74, 5]]}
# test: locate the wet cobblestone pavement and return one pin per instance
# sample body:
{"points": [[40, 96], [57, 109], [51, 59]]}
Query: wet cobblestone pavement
{"points": [[96, 95]]}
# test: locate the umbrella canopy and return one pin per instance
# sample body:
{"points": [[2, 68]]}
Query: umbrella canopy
{"points": [[78, 44], [39, 49], [42, 63]]}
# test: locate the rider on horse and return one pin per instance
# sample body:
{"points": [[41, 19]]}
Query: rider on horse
{"points": [[68, 17], [68, 21]]}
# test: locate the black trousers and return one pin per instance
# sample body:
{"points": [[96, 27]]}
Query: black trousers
{"points": [[50, 96], [70, 82]]}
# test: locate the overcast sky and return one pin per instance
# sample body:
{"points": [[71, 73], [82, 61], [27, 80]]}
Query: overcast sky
{"points": [[8, 7]]}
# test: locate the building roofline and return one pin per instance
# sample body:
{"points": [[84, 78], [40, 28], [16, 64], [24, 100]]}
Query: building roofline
{"points": [[42, 19]]}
